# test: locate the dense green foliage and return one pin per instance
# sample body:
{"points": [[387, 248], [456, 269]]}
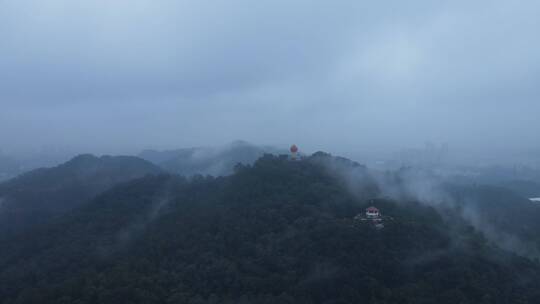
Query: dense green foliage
{"points": [[279, 231], [35, 197]]}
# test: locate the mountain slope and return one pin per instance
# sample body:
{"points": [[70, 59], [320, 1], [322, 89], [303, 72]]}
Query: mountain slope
{"points": [[502, 215], [207, 160], [276, 232], [36, 196], [505, 217]]}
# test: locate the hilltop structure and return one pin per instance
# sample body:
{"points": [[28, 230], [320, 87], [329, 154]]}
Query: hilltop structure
{"points": [[371, 215], [294, 152]]}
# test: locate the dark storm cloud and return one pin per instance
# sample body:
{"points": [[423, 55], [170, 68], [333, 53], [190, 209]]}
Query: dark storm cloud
{"points": [[114, 76]]}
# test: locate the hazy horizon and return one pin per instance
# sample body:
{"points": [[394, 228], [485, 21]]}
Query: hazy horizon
{"points": [[352, 78]]}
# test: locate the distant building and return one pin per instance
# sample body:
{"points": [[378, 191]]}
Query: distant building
{"points": [[372, 213], [372, 216], [294, 152]]}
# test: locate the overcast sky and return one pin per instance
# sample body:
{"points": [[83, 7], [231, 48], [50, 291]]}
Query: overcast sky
{"points": [[117, 76]]}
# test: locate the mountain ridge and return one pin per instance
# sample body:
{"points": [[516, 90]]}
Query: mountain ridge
{"points": [[218, 160], [34, 197], [277, 231]]}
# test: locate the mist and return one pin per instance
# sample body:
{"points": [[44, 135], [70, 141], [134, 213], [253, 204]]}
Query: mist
{"points": [[352, 78]]}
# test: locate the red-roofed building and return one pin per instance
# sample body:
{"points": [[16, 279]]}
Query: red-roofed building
{"points": [[294, 152], [372, 213]]}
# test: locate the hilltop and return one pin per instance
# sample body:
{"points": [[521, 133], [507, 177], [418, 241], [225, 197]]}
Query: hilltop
{"points": [[208, 160], [277, 231], [35, 197]]}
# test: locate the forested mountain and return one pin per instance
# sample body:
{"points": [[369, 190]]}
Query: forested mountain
{"points": [[207, 160], [278, 231], [503, 216], [38, 195]]}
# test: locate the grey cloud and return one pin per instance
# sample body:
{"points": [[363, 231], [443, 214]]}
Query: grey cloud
{"points": [[114, 76]]}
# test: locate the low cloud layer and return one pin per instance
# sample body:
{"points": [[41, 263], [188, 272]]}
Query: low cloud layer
{"points": [[348, 76]]}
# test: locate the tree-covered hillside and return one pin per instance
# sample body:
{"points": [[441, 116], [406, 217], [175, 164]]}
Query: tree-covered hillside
{"points": [[207, 160], [279, 231], [34, 197], [506, 218]]}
